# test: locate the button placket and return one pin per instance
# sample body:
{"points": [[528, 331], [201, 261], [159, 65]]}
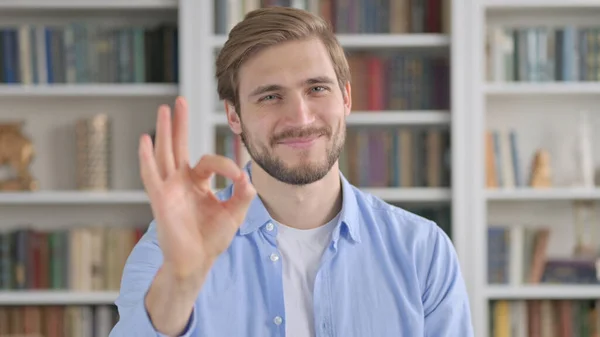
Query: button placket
{"points": [[270, 231]]}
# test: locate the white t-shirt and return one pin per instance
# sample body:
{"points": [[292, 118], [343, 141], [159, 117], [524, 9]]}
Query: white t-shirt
{"points": [[301, 251]]}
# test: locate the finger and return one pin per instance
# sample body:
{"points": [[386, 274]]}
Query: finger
{"points": [[243, 194], [216, 164], [180, 133], [164, 142], [148, 168]]}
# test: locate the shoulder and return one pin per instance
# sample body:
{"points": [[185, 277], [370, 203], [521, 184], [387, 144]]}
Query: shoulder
{"points": [[405, 234], [408, 238], [400, 223]]}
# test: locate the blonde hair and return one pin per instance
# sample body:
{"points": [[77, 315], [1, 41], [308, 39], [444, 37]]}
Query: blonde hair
{"points": [[267, 27]]}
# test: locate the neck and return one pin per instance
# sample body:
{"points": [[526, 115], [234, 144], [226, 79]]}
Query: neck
{"points": [[302, 207]]}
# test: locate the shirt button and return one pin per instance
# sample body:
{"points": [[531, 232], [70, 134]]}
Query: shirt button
{"points": [[274, 257], [270, 226], [277, 320]]}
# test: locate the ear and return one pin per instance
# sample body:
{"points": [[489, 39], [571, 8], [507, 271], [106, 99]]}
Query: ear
{"points": [[232, 118], [347, 98]]}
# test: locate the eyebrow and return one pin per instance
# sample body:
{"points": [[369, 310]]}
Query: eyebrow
{"points": [[274, 87]]}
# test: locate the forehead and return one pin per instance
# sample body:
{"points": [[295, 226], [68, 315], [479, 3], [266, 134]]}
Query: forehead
{"points": [[286, 64]]}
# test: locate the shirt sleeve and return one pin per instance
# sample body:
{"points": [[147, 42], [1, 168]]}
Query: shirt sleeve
{"points": [[139, 272], [445, 298]]}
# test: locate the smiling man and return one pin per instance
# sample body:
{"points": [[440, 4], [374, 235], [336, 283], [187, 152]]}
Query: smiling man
{"points": [[291, 248]]}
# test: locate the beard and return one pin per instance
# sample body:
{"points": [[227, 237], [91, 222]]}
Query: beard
{"points": [[305, 172]]}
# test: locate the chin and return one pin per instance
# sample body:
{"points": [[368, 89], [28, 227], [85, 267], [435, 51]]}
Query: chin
{"points": [[303, 160], [295, 171]]}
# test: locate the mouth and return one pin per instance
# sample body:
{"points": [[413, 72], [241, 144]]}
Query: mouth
{"points": [[300, 142]]}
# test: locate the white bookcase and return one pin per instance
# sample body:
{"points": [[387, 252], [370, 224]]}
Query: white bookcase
{"points": [[544, 114], [50, 113]]}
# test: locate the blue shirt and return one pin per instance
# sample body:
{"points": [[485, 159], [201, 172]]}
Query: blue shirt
{"points": [[387, 272]]}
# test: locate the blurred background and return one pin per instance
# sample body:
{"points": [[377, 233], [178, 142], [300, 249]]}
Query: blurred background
{"points": [[477, 114]]}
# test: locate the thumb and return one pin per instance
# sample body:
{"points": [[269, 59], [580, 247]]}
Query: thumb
{"points": [[243, 194]]}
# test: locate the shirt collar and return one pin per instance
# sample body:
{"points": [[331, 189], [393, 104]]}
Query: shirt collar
{"points": [[349, 220]]}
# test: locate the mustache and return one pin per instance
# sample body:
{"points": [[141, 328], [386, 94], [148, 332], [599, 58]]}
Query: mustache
{"points": [[299, 133]]}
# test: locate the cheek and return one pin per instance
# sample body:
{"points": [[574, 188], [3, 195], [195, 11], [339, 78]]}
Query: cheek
{"points": [[258, 131], [328, 107]]}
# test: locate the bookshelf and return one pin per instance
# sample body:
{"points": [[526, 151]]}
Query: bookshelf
{"points": [[59, 218], [531, 240], [50, 111]]}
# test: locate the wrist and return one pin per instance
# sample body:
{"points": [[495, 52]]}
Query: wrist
{"points": [[186, 281]]}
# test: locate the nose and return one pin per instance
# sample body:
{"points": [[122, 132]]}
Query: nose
{"points": [[298, 111]]}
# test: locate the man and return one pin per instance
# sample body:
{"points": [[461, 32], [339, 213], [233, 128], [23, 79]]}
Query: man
{"points": [[291, 248]]}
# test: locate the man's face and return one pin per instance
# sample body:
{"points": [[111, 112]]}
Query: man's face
{"points": [[292, 111]]}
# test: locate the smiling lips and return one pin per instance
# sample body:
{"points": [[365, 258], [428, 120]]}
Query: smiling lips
{"points": [[300, 142]]}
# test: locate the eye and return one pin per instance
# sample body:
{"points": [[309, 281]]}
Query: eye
{"points": [[267, 98], [319, 89]]}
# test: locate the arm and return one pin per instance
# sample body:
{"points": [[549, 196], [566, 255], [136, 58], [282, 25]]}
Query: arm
{"points": [[148, 291], [445, 298]]}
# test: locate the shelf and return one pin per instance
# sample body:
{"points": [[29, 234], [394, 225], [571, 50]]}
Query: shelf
{"points": [[139, 197], [541, 4], [543, 291], [398, 118], [533, 194], [72, 197], [88, 90], [51, 297], [383, 118], [88, 4], [548, 88], [379, 40], [417, 194]]}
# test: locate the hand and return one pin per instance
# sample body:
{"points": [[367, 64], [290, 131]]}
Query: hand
{"points": [[193, 226]]}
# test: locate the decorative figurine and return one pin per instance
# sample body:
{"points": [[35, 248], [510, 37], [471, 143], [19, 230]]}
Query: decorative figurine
{"points": [[17, 152], [541, 172]]}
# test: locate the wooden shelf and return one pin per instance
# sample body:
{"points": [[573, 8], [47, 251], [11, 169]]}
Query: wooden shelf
{"points": [[87, 4], [379, 40], [543, 291], [88, 90], [543, 194], [52, 297], [72, 197], [380, 118]]}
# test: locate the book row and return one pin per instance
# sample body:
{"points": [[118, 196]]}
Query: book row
{"points": [[350, 17], [544, 318], [399, 81], [543, 54], [57, 321], [518, 254], [397, 157], [82, 258], [88, 53], [376, 157]]}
